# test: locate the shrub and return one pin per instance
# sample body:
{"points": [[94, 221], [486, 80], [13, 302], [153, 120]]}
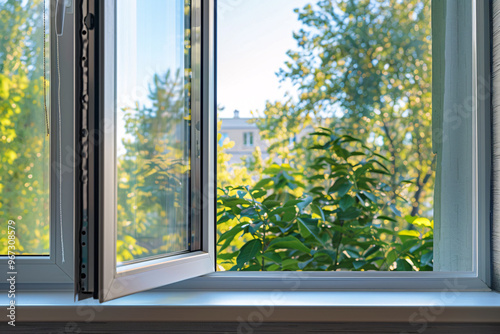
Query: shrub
{"points": [[331, 220]]}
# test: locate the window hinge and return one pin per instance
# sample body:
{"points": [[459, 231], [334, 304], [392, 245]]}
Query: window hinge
{"points": [[89, 21], [198, 144]]}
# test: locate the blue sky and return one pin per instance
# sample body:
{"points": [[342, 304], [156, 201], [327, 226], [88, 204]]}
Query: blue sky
{"points": [[253, 37]]}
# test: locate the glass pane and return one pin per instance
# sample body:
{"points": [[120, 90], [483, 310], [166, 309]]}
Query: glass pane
{"points": [[344, 173], [24, 117], [153, 128]]}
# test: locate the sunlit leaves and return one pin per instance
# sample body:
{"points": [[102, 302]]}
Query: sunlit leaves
{"points": [[288, 242], [248, 252], [335, 225]]}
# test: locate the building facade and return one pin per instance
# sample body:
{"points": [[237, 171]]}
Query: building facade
{"points": [[245, 135]]}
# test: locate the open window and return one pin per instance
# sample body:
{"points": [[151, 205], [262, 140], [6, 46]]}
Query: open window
{"points": [[146, 193], [146, 182]]}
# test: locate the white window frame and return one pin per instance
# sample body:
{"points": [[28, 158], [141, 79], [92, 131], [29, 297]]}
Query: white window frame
{"points": [[52, 270], [119, 281]]}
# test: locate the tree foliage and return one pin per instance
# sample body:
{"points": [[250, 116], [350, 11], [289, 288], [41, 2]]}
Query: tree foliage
{"points": [[364, 65], [336, 225]]}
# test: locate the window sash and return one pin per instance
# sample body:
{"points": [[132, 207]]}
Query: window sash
{"points": [[112, 281]]}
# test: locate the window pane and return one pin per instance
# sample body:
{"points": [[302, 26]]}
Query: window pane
{"points": [[24, 117], [153, 128], [350, 167]]}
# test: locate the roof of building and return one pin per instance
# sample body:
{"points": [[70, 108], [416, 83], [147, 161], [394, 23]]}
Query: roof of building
{"points": [[237, 123]]}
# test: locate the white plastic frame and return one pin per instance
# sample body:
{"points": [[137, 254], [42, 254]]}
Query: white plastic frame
{"points": [[116, 281]]}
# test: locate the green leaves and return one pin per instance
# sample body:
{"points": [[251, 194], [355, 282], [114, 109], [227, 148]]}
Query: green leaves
{"points": [[248, 252], [230, 201], [339, 222], [264, 183], [346, 202], [371, 251], [395, 210], [288, 242], [269, 203], [309, 227], [341, 187], [273, 257], [230, 235], [391, 257], [304, 203], [426, 259], [349, 214], [287, 213]]}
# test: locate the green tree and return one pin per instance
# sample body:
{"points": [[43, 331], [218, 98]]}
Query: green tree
{"points": [[363, 65]]}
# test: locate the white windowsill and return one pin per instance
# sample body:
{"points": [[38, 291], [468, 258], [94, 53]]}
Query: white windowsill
{"points": [[278, 306]]}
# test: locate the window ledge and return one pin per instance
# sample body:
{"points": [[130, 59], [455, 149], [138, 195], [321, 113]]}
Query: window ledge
{"points": [[260, 306]]}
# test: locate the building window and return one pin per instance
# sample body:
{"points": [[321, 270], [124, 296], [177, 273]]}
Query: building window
{"points": [[248, 139]]}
